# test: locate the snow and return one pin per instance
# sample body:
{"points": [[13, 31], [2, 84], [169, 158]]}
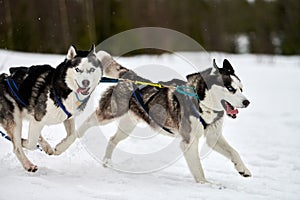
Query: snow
{"points": [[266, 135]]}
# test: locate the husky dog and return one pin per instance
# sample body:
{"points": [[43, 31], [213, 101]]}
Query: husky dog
{"points": [[219, 91], [45, 95]]}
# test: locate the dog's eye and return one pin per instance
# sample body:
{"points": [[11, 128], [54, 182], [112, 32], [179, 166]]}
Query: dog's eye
{"points": [[92, 70], [231, 89], [241, 89], [78, 70]]}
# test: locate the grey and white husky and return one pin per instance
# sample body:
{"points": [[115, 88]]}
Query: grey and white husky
{"points": [[219, 91], [45, 95]]}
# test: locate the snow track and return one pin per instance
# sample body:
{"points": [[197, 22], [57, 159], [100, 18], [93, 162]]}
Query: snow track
{"points": [[267, 136]]}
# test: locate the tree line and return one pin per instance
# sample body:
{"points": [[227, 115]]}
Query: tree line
{"points": [[259, 26]]}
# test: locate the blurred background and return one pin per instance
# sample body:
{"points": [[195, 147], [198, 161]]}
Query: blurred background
{"points": [[234, 26]]}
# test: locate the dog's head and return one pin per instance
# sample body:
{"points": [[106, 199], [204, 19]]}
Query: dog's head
{"points": [[220, 88], [111, 68], [84, 71]]}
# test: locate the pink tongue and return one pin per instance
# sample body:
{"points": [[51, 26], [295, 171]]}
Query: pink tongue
{"points": [[81, 90], [229, 111]]}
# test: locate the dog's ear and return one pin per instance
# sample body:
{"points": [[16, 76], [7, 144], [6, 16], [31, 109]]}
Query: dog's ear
{"points": [[227, 66], [93, 49], [215, 68], [71, 52]]}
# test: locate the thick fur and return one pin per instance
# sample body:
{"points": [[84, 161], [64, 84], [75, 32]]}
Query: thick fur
{"points": [[219, 90], [42, 88]]}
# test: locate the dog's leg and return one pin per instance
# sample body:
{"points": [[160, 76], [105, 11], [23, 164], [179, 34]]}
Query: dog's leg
{"points": [[192, 158], [126, 126], [72, 134], [191, 153], [46, 146], [15, 132], [219, 144], [34, 132], [90, 122], [69, 139], [34, 137]]}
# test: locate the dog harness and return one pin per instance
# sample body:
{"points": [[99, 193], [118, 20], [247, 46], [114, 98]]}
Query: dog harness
{"points": [[188, 91], [196, 112], [14, 89], [137, 95], [79, 103], [61, 105]]}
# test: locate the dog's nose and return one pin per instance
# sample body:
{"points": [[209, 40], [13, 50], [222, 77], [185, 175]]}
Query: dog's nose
{"points": [[85, 83], [246, 103]]}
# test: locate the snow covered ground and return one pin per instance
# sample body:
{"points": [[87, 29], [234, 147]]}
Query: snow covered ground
{"points": [[267, 136]]}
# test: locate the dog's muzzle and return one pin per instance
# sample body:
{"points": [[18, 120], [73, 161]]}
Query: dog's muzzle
{"points": [[83, 90], [231, 111]]}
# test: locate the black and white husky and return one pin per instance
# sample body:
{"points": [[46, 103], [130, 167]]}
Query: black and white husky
{"points": [[219, 91], [45, 95]]}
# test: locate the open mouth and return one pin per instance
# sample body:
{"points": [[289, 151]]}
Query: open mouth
{"points": [[83, 91], [231, 111]]}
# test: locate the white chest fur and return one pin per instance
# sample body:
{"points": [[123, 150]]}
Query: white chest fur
{"points": [[55, 115]]}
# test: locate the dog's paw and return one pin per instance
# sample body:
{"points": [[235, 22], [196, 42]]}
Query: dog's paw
{"points": [[30, 167], [107, 162], [48, 150], [246, 173], [212, 185], [218, 186], [243, 171], [201, 180]]}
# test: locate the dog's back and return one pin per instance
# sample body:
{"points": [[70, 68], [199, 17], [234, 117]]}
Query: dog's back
{"points": [[34, 89], [7, 99]]}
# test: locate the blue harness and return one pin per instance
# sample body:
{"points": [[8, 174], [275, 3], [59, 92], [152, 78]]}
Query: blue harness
{"points": [[14, 89], [61, 105], [188, 91], [139, 99]]}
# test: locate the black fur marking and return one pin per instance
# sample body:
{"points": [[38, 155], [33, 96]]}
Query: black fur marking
{"points": [[42, 92], [73, 63], [82, 54], [58, 83], [34, 85]]}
